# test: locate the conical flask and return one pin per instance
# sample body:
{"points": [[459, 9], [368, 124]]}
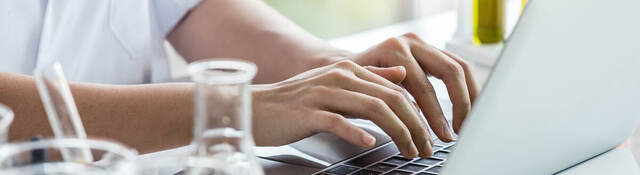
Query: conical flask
{"points": [[222, 118]]}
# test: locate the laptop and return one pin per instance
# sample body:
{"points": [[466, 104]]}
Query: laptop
{"points": [[565, 89]]}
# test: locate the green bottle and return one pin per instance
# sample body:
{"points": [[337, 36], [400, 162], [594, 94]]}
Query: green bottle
{"points": [[488, 21]]}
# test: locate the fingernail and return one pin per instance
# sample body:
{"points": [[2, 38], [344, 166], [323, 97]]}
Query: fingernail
{"points": [[368, 140], [413, 151], [447, 131], [427, 149]]}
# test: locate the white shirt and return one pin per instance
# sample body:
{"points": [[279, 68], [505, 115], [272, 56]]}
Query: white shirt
{"points": [[103, 41]]}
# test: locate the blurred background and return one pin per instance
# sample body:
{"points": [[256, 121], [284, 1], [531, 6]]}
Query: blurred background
{"points": [[329, 19]]}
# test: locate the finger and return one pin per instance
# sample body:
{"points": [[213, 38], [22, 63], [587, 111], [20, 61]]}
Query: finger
{"points": [[394, 96], [419, 86], [394, 74], [390, 78], [422, 90], [387, 77], [371, 108], [338, 125], [446, 68], [472, 85], [417, 108]]}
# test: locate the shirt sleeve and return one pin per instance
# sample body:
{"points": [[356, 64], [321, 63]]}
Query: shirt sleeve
{"points": [[169, 12]]}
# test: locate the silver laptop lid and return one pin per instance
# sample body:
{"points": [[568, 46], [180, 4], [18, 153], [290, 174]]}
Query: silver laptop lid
{"points": [[566, 88]]}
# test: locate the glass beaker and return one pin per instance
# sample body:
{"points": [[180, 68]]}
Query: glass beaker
{"points": [[61, 108], [44, 157], [6, 117], [222, 118]]}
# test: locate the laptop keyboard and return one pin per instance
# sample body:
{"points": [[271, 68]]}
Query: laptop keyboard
{"points": [[387, 160]]}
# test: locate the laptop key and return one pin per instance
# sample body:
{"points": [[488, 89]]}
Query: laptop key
{"points": [[366, 172], [397, 160], [426, 173], [381, 167], [435, 169], [448, 148], [428, 161], [369, 158], [440, 155], [342, 169], [398, 172], [441, 143], [436, 147], [413, 167]]}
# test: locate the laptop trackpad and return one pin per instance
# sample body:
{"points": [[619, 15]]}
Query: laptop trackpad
{"points": [[332, 149]]}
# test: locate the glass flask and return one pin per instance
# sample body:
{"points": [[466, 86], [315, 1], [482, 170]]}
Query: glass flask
{"points": [[43, 157], [488, 21], [223, 140], [61, 109], [6, 117]]}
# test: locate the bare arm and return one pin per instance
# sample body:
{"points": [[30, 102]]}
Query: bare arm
{"points": [[251, 30], [146, 117]]}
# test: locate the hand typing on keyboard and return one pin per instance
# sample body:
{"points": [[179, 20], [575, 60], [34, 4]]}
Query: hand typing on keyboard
{"points": [[318, 100]]}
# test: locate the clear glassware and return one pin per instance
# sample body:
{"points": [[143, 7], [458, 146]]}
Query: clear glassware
{"points": [[6, 117], [61, 108], [222, 118], [44, 158]]}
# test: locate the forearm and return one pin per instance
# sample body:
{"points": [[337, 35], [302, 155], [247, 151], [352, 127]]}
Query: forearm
{"points": [[146, 117], [251, 30]]}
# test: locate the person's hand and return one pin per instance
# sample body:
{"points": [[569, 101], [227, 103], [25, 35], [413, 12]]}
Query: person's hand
{"points": [[319, 100], [420, 60]]}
